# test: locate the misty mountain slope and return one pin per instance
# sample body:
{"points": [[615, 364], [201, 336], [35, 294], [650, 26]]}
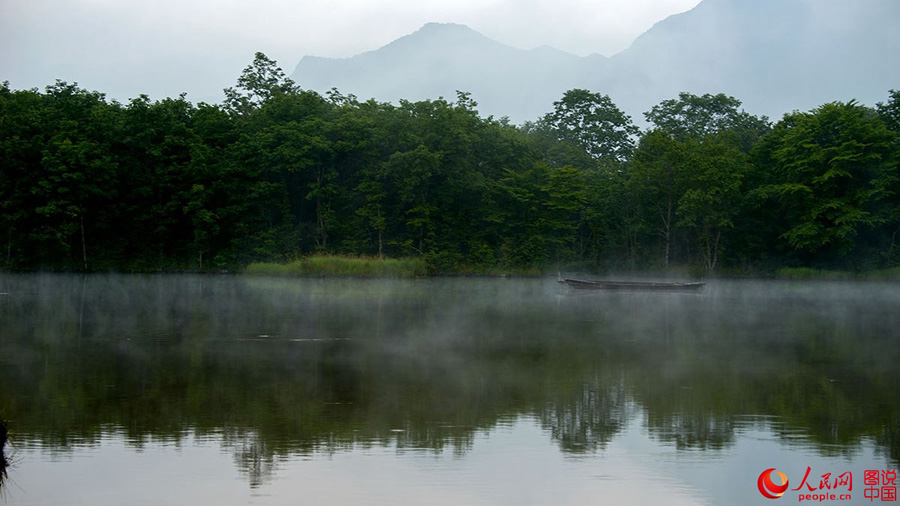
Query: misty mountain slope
{"points": [[774, 55], [707, 48], [439, 59]]}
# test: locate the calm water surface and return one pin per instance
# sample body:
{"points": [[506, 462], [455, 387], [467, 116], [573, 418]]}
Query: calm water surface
{"points": [[231, 390]]}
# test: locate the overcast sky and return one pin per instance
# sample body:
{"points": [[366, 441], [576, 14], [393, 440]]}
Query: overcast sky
{"points": [[164, 47]]}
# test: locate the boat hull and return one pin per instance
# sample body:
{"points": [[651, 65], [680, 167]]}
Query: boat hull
{"points": [[632, 285]]}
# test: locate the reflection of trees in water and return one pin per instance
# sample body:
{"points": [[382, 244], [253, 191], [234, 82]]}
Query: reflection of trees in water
{"points": [[890, 439], [434, 437], [586, 419], [253, 457], [303, 370], [692, 431]]}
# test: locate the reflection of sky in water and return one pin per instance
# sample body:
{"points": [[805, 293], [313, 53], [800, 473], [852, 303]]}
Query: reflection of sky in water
{"points": [[516, 463]]}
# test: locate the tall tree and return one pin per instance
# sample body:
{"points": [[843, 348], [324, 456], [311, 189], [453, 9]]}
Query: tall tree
{"points": [[565, 196], [656, 177], [592, 121], [154, 146], [22, 136], [260, 81], [832, 171], [890, 110], [79, 171], [714, 170], [890, 114], [698, 116]]}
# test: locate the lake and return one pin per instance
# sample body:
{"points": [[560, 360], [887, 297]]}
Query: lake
{"points": [[231, 390]]}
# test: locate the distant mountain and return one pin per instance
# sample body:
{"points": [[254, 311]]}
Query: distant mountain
{"points": [[774, 55], [439, 59]]}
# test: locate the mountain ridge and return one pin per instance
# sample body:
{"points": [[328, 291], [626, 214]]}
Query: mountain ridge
{"points": [[436, 61], [774, 55]]}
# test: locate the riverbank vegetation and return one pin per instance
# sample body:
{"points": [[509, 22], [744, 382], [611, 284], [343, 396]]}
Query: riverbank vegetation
{"points": [[343, 266], [836, 275], [276, 173]]}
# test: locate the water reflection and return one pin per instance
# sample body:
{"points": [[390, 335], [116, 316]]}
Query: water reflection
{"points": [[275, 369]]}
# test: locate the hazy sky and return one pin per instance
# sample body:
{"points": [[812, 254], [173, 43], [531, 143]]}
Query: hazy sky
{"points": [[164, 47]]}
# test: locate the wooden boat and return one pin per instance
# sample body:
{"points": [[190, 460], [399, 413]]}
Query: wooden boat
{"points": [[632, 285]]}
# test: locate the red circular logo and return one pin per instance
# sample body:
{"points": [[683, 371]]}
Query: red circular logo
{"points": [[768, 488]]}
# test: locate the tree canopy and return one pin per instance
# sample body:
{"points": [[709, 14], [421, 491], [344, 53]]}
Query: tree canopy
{"points": [[276, 172]]}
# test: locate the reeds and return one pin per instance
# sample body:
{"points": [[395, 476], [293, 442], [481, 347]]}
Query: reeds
{"points": [[343, 266]]}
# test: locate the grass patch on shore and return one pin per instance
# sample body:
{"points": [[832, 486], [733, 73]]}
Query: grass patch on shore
{"points": [[343, 266], [809, 273], [495, 272], [892, 274]]}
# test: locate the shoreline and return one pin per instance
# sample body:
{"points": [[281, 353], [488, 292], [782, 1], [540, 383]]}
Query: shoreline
{"points": [[362, 267]]}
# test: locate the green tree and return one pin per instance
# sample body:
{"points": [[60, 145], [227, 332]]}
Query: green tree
{"points": [[890, 110], [372, 211], [236, 203], [260, 81], [203, 221], [890, 115], [831, 171], [592, 121], [614, 217], [698, 116], [656, 179], [416, 171], [22, 136], [565, 195], [78, 170], [214, 194], [714, 170], [544, 209], [285, 148], [154, 146]]}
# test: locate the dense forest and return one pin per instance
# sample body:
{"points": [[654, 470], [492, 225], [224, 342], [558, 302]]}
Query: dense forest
{"points": [[276, 173]]}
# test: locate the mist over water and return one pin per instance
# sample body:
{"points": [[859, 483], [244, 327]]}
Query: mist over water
{"points": [[490, 391]]}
